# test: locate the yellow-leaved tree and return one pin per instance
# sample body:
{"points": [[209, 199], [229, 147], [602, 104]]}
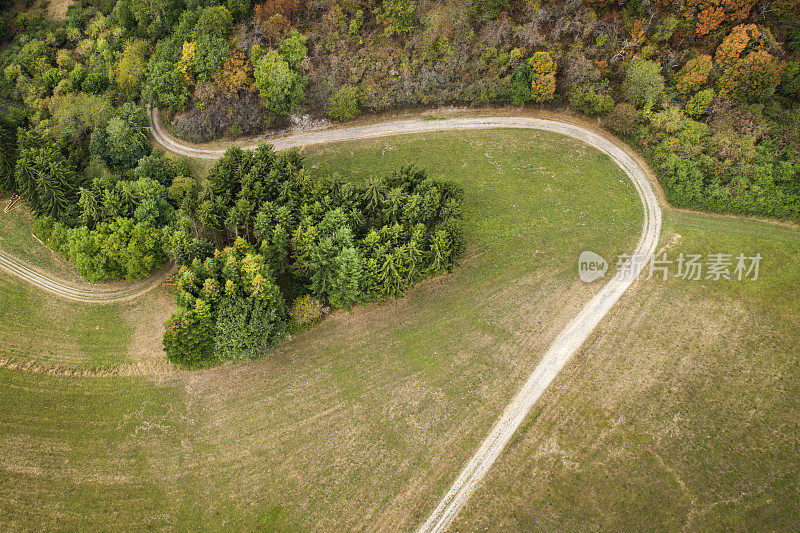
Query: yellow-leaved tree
{"points": [[543, 77]]}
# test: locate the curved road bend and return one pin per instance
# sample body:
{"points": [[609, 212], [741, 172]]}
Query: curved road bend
{"points": [[567, 342], [26, 273]]}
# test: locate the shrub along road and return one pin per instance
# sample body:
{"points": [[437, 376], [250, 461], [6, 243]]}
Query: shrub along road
{"points": [[568, 341]]}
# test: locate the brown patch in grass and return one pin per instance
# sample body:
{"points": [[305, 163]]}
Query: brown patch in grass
{"points": [[147, 316], [57, 9], [676, 414]]}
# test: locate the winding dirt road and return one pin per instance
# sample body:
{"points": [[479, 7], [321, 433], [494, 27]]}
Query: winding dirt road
{"points": [[568, 341], [559, 353], [90, 294]]}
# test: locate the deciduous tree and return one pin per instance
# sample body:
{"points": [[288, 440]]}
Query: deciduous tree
{"points": [[790, 80], [263, 12], [751, 79], [735, 43], [343, 104], [214, 21], [293, 49], [236, 73], [123, 141], [709, 20], [281, 87], [699, 103], [644, 84], [166, 84], [694, 74], [591, 98], [400, 16], [132, 68], [210, 53], [543, 77]]}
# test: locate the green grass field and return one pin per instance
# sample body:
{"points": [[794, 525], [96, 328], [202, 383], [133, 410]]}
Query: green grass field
{"points": [[364, 419], [35, 326], [49, 331], [679, 412], [83, 453], [62, 335], [16, 238]]}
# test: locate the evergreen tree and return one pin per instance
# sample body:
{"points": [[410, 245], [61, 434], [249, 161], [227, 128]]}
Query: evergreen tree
{"points": [[346, 287], [521, 84], [44, 177], [247, 326], [373, 195], [392, 282], [189, 335], [8, 150]]}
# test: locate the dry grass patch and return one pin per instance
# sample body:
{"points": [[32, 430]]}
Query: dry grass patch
{"points": [[680, 413]]}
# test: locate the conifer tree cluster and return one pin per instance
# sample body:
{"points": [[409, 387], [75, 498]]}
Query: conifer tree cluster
{"points": [[262, 229]]}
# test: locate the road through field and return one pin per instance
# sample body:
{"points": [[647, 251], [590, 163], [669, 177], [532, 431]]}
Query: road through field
{"points": [[568, 341], [88, 294]]}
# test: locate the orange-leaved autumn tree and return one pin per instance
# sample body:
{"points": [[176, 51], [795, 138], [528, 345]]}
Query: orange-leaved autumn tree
{"points": [[709, 20], [637, 38], [277, 28], [735, 43], [262, 13], [694, 74], [543, 77], [750, 77], [737, 10], [712, 13]]}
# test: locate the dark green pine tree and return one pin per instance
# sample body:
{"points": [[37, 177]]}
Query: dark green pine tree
{"points": [[8, 151], [521, 84], [392, 283], [44, 177]]}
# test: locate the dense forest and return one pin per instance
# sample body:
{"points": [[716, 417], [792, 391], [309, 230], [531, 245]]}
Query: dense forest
{"points": [[708, 90]]}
